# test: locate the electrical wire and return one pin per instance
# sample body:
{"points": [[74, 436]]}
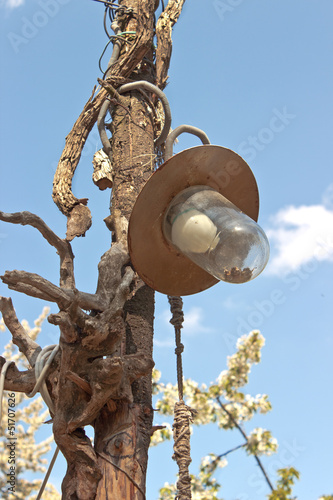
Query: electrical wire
{"points": [[101, 57], [112, 14], [108, 4], [47, 475], [113, 10], [43, 362], [106, 12], [112, 39]]}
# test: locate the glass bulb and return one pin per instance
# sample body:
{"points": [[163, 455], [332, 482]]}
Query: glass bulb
{"points": [[216, 235]]}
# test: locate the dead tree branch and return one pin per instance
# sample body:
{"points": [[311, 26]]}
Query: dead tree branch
{"points": [[16, 380], [164, 26], [63, 247], [35, 286], [79, 220], [20, 337]]}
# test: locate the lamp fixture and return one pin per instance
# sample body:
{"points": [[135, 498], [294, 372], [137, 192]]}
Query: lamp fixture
{"points": [[194, 222]]}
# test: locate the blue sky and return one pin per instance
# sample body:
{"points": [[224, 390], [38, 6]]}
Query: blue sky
{"points": [[257, 77]]}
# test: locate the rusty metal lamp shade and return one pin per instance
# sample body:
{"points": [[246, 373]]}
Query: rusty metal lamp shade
{"points": [[191, 190]]}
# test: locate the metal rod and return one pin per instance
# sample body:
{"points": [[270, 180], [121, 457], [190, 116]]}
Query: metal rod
{"points": [[142, 84], [180, 130]]}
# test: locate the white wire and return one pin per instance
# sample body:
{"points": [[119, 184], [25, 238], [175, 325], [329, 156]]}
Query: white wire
{"points": [[43, 363], [47, 475], [41, 367]]}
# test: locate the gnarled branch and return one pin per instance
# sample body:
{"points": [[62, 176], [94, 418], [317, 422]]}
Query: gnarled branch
{"points": [[20, 337], [63, 247], [109, 378], [164, 25], [62, 183], [16, 380], [36, 286]]}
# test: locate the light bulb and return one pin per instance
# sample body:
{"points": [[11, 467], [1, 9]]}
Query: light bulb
{"points": [[193, 231], [216, 235]]}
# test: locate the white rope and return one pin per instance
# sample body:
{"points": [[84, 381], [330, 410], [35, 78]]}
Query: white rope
{"points": [[41, 368], [42, 365], [47, 475]]}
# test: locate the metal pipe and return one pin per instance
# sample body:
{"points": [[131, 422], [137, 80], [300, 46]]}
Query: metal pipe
{"points": [[142, 84], [180, 130], [101, 128], [105, 106]]}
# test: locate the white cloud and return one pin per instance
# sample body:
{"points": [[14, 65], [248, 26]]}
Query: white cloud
{"points": [[194, 322], [299, 235], [168, 342], [233, 302], [327, 197], [11, 4]]}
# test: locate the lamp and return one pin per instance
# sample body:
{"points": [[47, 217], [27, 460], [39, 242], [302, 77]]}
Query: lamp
{"points": [[194, 222], [216, 235]]}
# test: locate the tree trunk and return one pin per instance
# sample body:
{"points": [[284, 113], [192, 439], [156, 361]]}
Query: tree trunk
{"points": [[122, 436]]}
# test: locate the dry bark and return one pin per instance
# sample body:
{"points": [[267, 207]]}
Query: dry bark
{"points": [[164, 26], [101, 375]]}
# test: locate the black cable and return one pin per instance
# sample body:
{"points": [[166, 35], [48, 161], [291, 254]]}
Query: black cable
{"points": [[104, 21], [100, 59], [113, 10], [112, 38], [107, 3], [111, 15]]}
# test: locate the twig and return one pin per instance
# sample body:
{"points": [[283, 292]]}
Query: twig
{"points": [[111, 90], [246, 439], [20, 337], [62, 246], [36, 286], [27, 218], [16, 380], [230, 451]]}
